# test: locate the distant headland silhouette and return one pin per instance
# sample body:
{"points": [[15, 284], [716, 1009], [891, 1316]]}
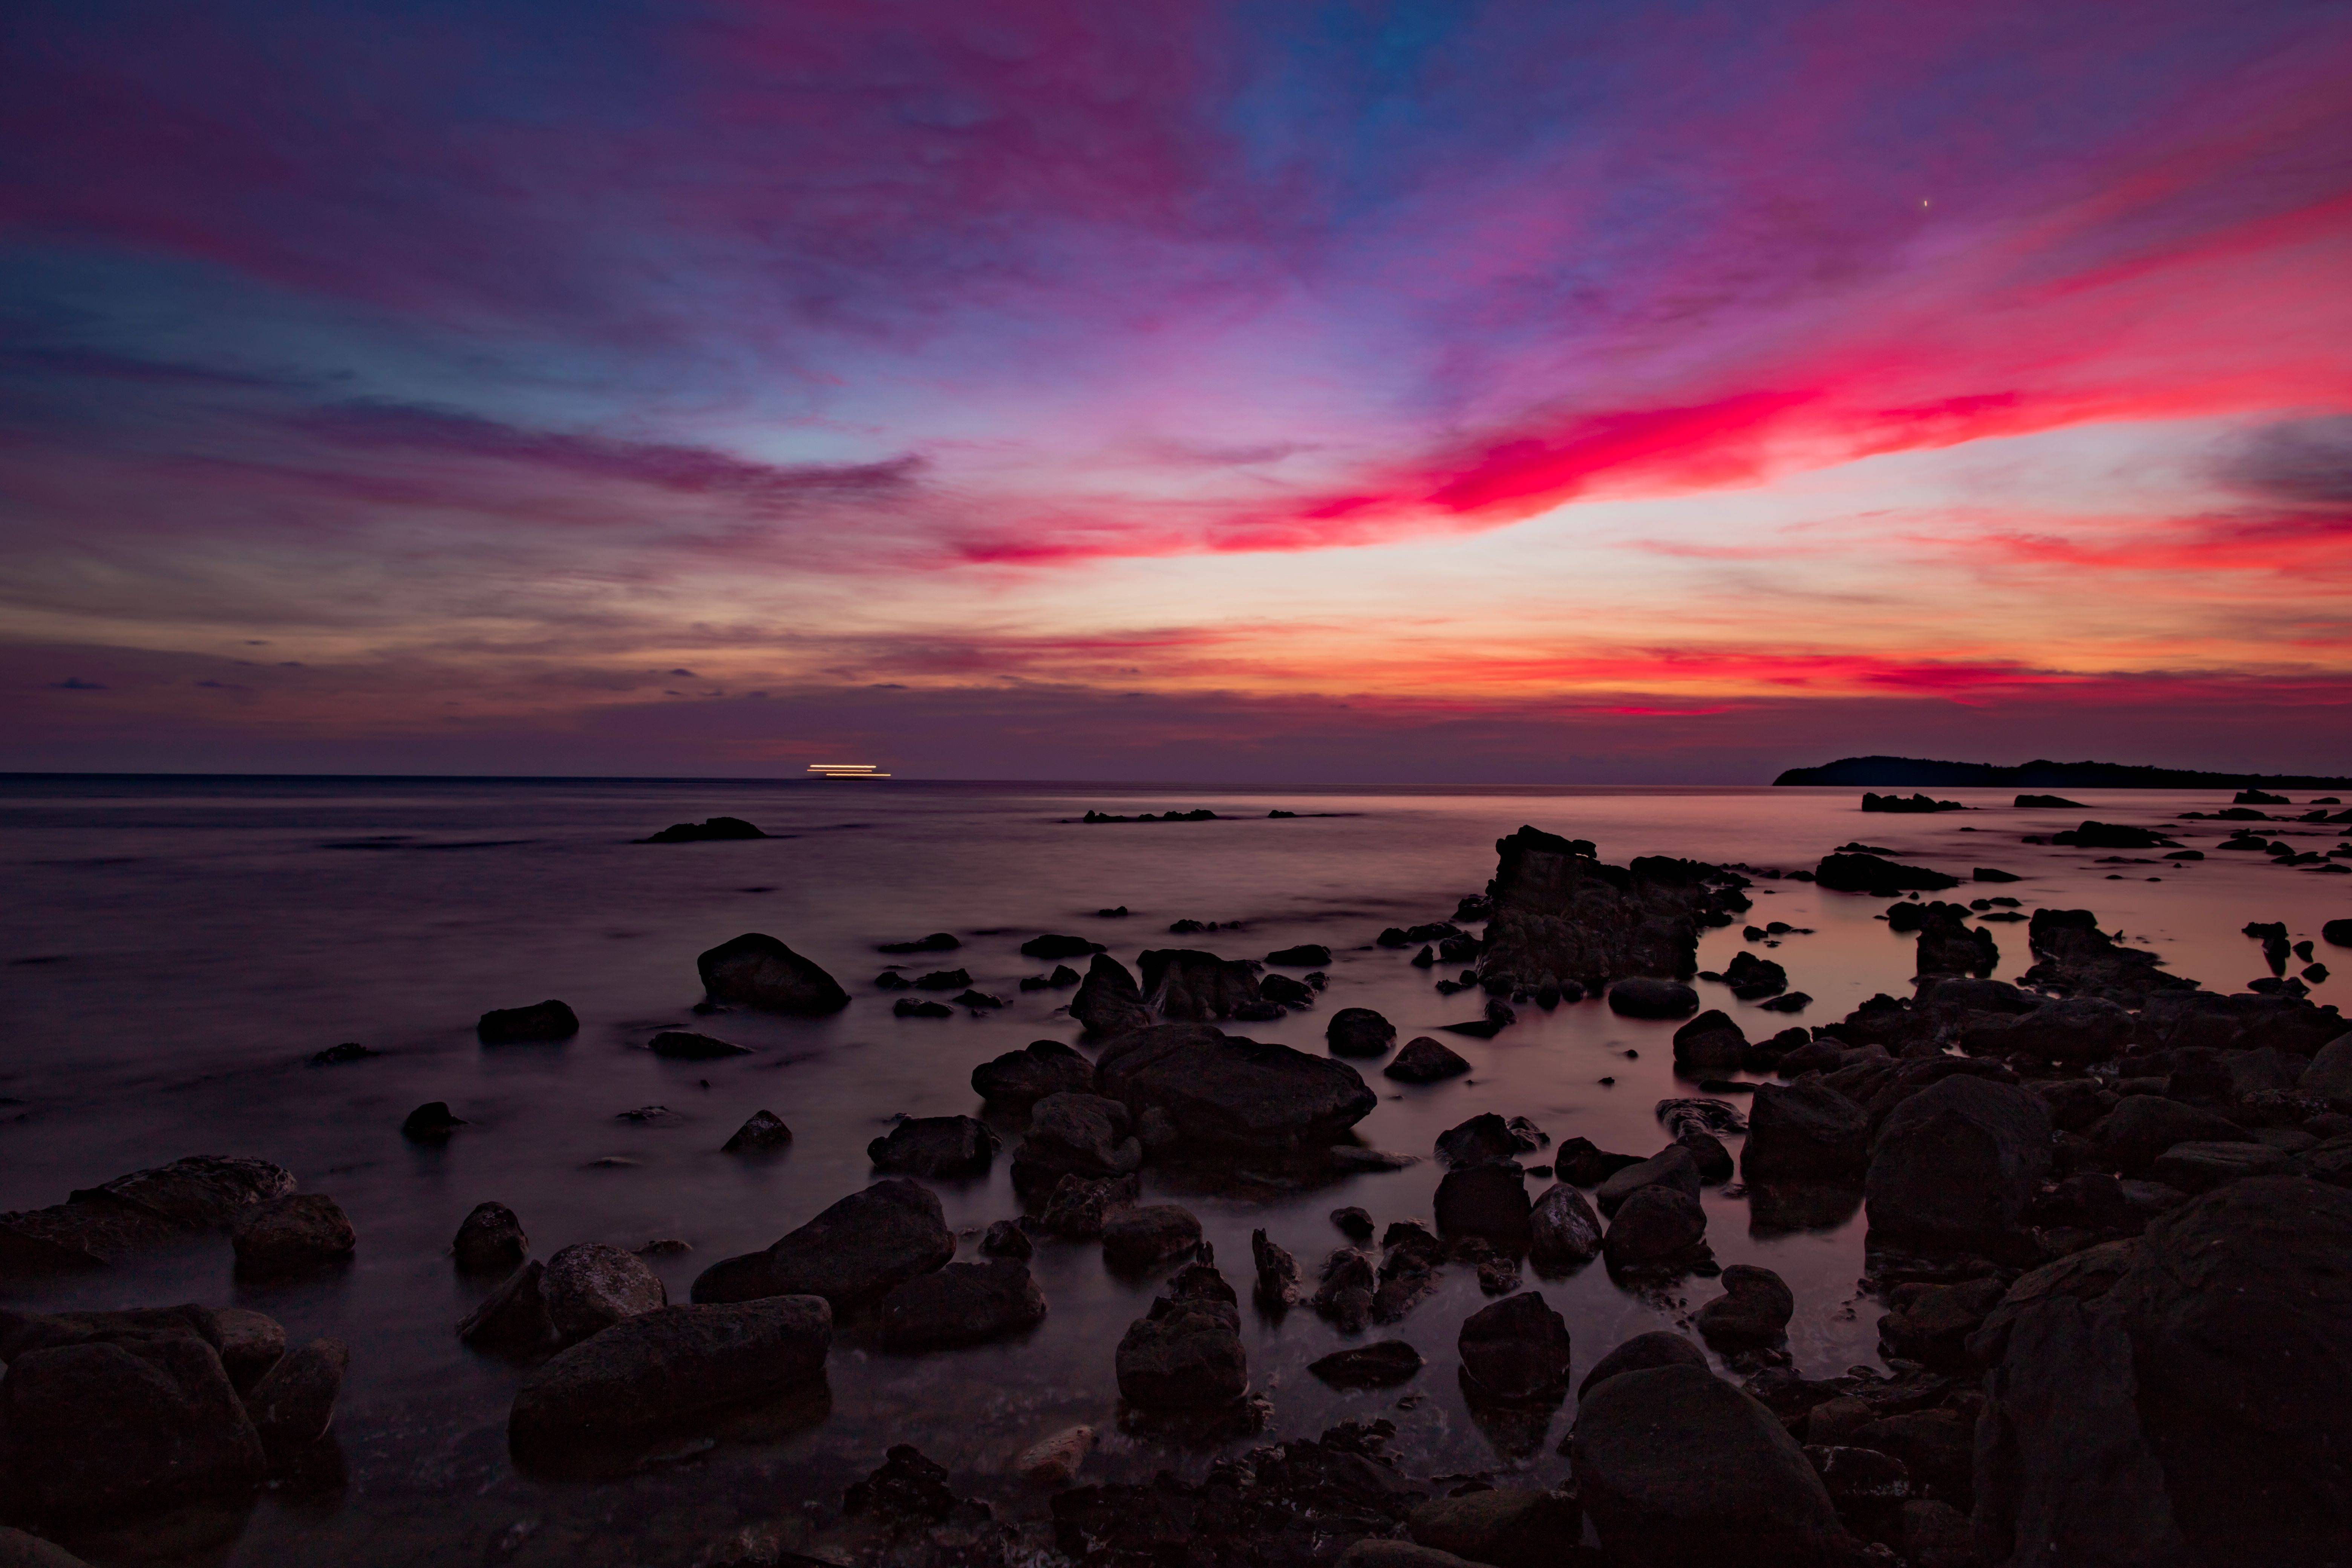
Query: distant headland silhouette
{"points": [[1924, 772]]}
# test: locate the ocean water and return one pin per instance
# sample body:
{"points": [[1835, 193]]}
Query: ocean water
{"points": [[174, 949]]}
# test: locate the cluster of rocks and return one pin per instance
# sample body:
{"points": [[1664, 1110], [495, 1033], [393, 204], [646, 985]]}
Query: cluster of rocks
{"points": [[273, 1229]]}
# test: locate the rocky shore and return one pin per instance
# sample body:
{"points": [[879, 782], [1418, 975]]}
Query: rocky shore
{"points": [[2109, 1245]]}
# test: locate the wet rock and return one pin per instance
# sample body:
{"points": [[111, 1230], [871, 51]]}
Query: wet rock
{"points": [[1425, 1060], [935, 1146], [1187, 985], [1358, 1032], [1563, 1231], [1277, 1272], [1504, 1528], [1484, 1140], [1140, 1236], [1284, 992], [2085, 1276], [2064, 1470], [763, 1134], [1076, 1209], [1081, 1134], [123, 1424], [1226, 1092], [2329, 1077], [937, 942], [1752, 1314], [549, 1020], [1863, 1484], [2143, 1126], [1640, 1353], [1489, 1202], [1863, 873], [684, 1045], [1706, 1151], [906, 1491], [2078, 1031], [490, 1240], [1937, 1447], [292, 1405], [670, 1369], [962, 1304], [2075, 957], [943, 980], [855, 1251], [1516, 1350], [432, 1122], [1051, 946], [1676, 1465], [1376, 1552], [1346, 1292], [1658, 1226], [512, 1318], [709, 830], [1186, 1354], [250, 1344], [1353, 1223], [1673, 1167], [1382, 1365], [1305, 955], [1005, 1238], [292, 1235], [1959, 1160], [1055, 1460], [2195, 1167], [1806, 1132], [1710, 1041], [758, 971], [1560, 912], [1579, 1162], [2266, 1067], [2112, 835], [1752, 979], [589, 1287], [2235, 1306], [1109, 1002], [1648, 998], [1933, 1534], [1932, 1324]]}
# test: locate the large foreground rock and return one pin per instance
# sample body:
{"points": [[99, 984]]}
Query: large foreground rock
{"points": [[125, 1421], [852, 1252], [962, 1304], [1960, 1159], [758, 971], [1228, 1091], [1506, 1527], [669, 1368], [1679, 1467], [2236, 1306]]}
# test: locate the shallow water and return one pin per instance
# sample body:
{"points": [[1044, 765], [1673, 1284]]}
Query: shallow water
{"points": [[175, 949]]}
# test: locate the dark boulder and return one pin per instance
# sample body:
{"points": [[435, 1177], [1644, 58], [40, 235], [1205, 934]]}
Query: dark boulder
{"points": [[962, 1304], [1228, 1091], [1425, 1060], [1806, 1132], [1932, 1324], [937, 942], [1862, 873], [1579, 1162], [1675, 1166], [293, 1403], [1643, 997], [1081, 1134], [1186, 1354], [1503, 1527], [684, 1045], [2143, 1126], [2235, 1306], [1484, 1140], [2195, 1167], [709, 830], [292, 1235], [1752, 979], [1186, 985], [1657, 1227], [1958, 1160], [2112, 835], [758, 971], [1005, 1238], [431, 1123], [668, 1370], [1563, 1231], [852, 1252], [2074, 957], [1489, 1202], [1710, 1041], [1640, 1353], [490, 1240], [1358, 1032], [1516, 1351], [1678, 1466], [2079, 1031], [1305, 955], [2329, 1077], [124, 1424], [1050, 947], [763, 1134], [1752, 1314], [1277, 1273], [1109, 1002], [1140, 1236], [512, 1318], [549, 1020], [589, 1287], [936, 1146], [1562, 916], [250, 1344], [1075, 1206], [1382, 1365]]}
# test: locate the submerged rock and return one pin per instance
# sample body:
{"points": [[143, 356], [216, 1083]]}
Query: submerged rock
{"points": [[852, 1252], [710, 830], [250, 1344], [684, 1045], [1137, 1236], [668, 1369], [1079, 1134], [549, 1020], [1489, 1202], [513, 1317], [757, 971], [1382, 1365]]}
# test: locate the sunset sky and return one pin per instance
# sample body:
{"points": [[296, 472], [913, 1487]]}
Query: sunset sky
{"points": [[1453, 392]]}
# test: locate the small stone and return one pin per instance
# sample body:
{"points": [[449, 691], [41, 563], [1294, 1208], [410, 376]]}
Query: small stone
{"points": [[490, 1240], [1054, 1461], [764, 1134]]}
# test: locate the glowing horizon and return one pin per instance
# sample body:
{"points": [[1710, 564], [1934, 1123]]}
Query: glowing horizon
{"points": [[1492, 391]]}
